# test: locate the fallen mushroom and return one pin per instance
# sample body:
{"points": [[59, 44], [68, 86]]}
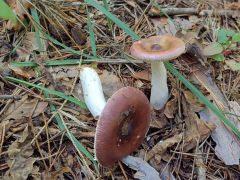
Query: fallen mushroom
{"points": [[156, 50], [123, 122], [92, 91]]}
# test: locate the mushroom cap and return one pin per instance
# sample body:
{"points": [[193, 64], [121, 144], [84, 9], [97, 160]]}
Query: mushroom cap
{"points": [[158, 48], [122, 126]]}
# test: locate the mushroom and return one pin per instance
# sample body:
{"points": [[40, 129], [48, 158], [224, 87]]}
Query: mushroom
{"points": [[123, 121], [156, 50], [92, 91], [122, 125]]}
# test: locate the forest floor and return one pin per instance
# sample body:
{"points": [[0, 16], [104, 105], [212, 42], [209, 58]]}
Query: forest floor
{"points": [[46, 131]]}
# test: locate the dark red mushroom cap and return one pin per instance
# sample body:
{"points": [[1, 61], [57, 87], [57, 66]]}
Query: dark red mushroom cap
{"points": [[122, 126], [158, 48]]}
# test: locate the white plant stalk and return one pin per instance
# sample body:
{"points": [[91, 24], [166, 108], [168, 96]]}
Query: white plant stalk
{"points": [[92, 91], [159, 90]]}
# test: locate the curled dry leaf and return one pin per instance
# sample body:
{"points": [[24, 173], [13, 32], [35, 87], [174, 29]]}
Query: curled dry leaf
{"points": [[22, 72], [196, 105], [25, 108], [171, 106]]}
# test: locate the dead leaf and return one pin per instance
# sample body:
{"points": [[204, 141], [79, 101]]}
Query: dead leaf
{"points": [[25, 108], [110, 83], [30, 42], [144, 75], [62, 72], [20, 8], [196, 131], [171, 106], [227, 145], [161, 147], [202, 79], [22, 72], [79, 37], [20, 162], [196, 105]]}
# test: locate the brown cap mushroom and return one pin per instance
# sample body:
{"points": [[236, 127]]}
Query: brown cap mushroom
{"points": [[122, 126], [157, 49]]}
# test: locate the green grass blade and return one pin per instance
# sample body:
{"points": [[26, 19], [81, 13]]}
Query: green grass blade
{"points": [[106, 6], [91, 34], [66, 48], [6, 12], [70, 135], [37, 30], [202, 98], [53, 92], [50, 63], [113, 18]]}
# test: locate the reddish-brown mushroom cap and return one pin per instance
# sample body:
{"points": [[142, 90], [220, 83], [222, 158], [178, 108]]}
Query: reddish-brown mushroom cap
{"points": [[158, 48], [122, 126]]}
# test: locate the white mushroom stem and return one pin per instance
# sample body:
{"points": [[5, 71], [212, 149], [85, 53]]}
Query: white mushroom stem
{"points": [[92, 91], [159, 90]]}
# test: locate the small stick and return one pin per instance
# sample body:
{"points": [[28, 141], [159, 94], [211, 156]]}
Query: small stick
{"points": [[171, 11], [154, 12], [233, 13], [15, 97]]}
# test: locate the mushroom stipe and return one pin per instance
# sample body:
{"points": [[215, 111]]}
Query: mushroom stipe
{"points": [[122, 125]]}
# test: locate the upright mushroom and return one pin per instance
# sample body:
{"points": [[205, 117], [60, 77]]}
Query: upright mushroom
{"points": [[156, 50], [123, 121]]}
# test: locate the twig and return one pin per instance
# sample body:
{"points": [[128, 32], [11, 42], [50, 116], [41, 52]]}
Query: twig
{"points": [[171, 11], [154, 12], [220, 13], [15, 97]]}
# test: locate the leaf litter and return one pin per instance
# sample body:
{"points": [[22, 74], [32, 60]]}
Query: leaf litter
{"points": [[179, 144]]}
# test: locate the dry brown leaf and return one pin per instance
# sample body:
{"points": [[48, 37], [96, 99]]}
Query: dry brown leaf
{"points": [[64, 72], [54, 175], [171, 106], [196, 105], [196, 131], [20, 152], [20, 8], [161, 147], [110, 83], [202, 79], [144, 75], [25, 108], [30, 42], [22, 72]]}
